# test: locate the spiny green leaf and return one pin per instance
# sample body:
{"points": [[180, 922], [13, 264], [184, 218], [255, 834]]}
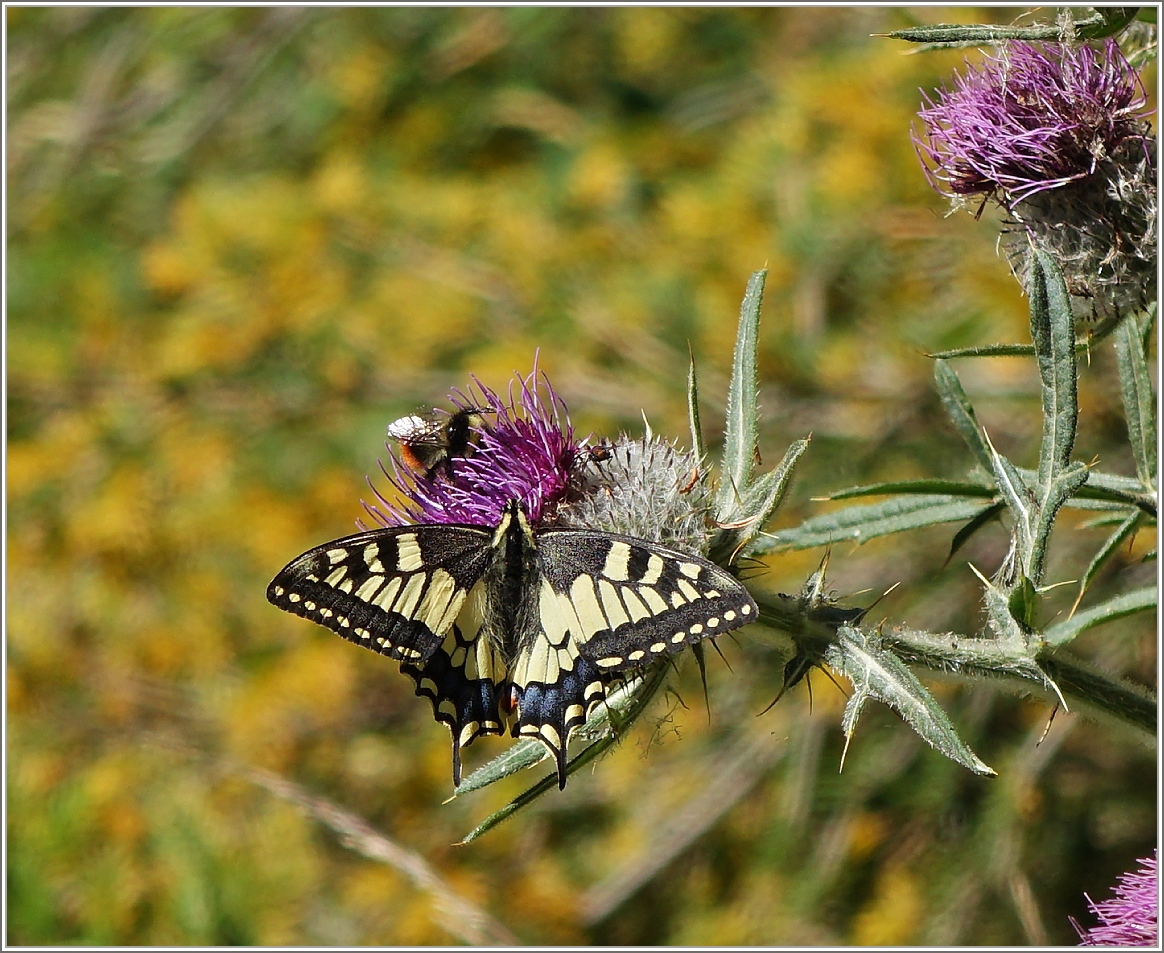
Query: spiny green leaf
{"points": [[740, 439], [860, 523], [946, 487], [1139, 600], [878, 673], [973, 526], [1019, 500], [517, 757], [1138, 400], [1107, 21], [961, 412], [693, 409], [1022, 602], [1108, 488], [994, 350], [1053, 335], [760, 500], [1063, 486], [605, 726]]}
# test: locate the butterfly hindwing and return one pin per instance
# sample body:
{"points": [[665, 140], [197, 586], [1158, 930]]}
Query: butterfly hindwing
{"points": [[556, 687], [461, 679], [635, 601], [396, 591]]}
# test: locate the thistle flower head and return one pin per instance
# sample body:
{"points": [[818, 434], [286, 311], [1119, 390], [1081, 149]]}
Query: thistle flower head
{"points": [[646, 488], [1056, 135], [1031, 120], [524, 449], [1129, 918]]}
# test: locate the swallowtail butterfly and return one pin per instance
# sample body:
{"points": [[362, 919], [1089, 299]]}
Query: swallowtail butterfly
{"points": [[512, 625], [429, 443]]}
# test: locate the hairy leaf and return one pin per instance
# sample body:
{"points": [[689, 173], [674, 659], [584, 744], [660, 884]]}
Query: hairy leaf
{"points": [[947, 487], [1138, 400], [961, 412], [860, 523], [739, 452], [605, 726], [1053, 334], [1139, 600], [760, 500], [693, 410], [878, 673]]}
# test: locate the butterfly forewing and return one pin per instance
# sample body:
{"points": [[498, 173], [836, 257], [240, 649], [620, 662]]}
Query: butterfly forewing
{"points": [[635, 601], [396, 591]]}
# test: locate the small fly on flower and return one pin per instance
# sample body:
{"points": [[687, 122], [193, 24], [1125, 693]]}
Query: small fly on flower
{"points": [[431, 443]]}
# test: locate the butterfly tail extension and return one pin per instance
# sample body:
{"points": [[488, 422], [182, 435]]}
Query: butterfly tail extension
{"points": [[549, 712], [466, 706], [462, 677]]}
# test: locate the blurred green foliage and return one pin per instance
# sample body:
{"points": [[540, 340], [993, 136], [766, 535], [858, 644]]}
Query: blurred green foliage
{"points": [[242, 241]]}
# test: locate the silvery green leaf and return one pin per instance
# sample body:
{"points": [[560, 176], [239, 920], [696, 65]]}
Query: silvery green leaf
{"points": [[1138, 400], [947, 487], [1022, 602], [759, 501], [517, 757], [1053, 335], [877, 673], [629, 698], [1147, 326], [1104, 22], [693, 411], [992, 350], [1139, 600], [1062, 487], [740, 438], [1018, 498], [860, 523], [604, 727], [1106, 490], [961, 412], [973, 526]]}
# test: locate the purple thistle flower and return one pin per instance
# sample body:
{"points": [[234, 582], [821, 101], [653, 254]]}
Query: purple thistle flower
{"points": [[1131, 917], [1056, 135], [524, 449], [1029, 121]]}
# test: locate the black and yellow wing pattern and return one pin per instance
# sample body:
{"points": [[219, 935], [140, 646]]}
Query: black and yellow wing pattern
{"points": [[511, 626]]}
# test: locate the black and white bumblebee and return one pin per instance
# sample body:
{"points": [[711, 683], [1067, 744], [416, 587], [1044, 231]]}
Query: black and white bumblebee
{"points": [[430, 443]]}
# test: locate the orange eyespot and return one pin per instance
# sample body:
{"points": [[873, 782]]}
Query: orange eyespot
{"points": [[509, 699]]}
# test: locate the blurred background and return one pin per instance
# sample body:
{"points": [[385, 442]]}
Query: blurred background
{"points": [[240, 242]]}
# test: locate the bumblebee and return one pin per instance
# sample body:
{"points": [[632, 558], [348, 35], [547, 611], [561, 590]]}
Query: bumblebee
{"points": [[431, 443]]}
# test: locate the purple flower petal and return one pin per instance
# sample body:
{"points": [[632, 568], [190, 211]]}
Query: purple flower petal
{"points": [[1130, 918], [1030, 120]]}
